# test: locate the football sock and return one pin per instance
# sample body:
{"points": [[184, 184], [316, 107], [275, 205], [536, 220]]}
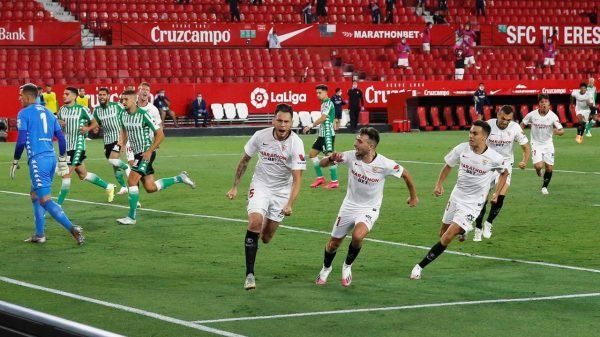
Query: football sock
{"points": [[588, 126], [547, 177], [352, 254], [495, 210], [119, 177], [165, 183], [94, 179], [251, 247], [317, 167], [58, 214], [333, 171], [328, 258], [434, 252], [479, 220], [580, 128], [134, 197], [38, 215], [64, 190]]}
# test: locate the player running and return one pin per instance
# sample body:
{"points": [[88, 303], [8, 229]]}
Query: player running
{"points": [[544, 124], [478, 165], [325, 138], [107, 116], [594, 110], [504, 133], [275, 184], [136, 126], [583, 103], [37, 126], [367, 171], [74, 118]]}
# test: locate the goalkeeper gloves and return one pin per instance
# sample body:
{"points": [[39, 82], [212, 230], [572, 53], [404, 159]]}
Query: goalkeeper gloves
{"points": [[13, 168], [63, 168]]}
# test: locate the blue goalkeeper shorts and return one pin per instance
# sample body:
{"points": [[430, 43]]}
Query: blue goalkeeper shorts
{"points": [[41, 173]]}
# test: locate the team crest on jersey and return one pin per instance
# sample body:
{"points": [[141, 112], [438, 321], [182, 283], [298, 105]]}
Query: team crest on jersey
{"points": [[377, 169], [485, 161]]}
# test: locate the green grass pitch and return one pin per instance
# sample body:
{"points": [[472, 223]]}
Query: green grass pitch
{"points": [[186, 264]]}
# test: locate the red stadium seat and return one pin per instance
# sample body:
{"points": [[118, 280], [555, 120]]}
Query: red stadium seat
{"points": [[423, 123], [449, 119], [435, 118]]}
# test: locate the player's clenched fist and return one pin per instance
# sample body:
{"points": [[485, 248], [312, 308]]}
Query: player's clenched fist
{"points": [[232, 193]]}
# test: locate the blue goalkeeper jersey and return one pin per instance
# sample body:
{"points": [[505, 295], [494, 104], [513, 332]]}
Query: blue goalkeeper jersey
{"points": [[40, 125]]}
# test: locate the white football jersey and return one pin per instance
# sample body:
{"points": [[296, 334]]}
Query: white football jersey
{"points": [[475, 174], [276, 159], [501, 140], [542, 127], [582, 101], [366, 180], [153, 113]]}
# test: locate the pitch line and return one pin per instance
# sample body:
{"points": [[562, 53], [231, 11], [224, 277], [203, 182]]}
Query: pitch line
{"points": [[400, 244], [403, 307], [150, 314]]}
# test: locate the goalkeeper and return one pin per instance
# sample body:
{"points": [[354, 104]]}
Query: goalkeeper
{"points": [[37, 126], [325, 140]]}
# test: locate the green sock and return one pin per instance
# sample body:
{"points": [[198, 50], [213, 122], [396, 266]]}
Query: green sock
{"points": [[317, 167], [64, 190], [164, 183], [123, 165], [588, 126], [94, 179], [333, 171], [134, 196], [119, 176]]}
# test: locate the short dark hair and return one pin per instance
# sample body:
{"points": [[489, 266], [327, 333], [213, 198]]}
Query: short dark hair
{"points": [[507, 109], [481, 83], [484, 125], [105, 89], [286, 108], [583, 84], [48, 85], [129, 93], [338, 89], [73, 90], [322, 87], [372, 133], [543, 96], [39, 88], [29, 89]]}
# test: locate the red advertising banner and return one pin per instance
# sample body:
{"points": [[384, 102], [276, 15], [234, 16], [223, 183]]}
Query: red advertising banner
{"points": [[528, 35], [289, 35], [40, 34], [262, 98]]}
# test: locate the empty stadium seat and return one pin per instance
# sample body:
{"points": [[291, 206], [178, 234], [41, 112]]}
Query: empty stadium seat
{"points": [[230, 112], [305, 118], [217, 111], [242, 110]]}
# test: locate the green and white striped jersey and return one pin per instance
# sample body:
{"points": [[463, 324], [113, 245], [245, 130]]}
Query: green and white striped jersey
{"points": [[138, 126], [108, 117], [74, 117], [326, 128]]}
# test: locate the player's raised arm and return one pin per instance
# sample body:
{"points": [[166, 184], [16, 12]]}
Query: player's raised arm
{"points": [[239, 173], [412, 200], [439, 188]]}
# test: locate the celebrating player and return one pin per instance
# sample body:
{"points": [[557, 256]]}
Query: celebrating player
{"points": [[325, 138], [544, 124], [504, 133], [37, 126], [136, 125], [275, 183], [477, 166], [367, 171], [74, 118]]}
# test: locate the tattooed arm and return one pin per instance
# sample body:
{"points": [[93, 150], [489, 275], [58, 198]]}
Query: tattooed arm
{"points": [[241, 169]]}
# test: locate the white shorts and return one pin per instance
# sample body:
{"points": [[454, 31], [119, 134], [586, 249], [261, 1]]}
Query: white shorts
{"points": [[129, 152], [347, 219], [268, 203], [462, 214], [469, 60], [584, 113], [459, 73], [426, 47], [509, 168], [402, 62], [548, 61], [543, 153]]}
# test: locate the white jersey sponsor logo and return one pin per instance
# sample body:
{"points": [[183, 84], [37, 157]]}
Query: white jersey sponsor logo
{"points": [[501, 140], [542, 127]]}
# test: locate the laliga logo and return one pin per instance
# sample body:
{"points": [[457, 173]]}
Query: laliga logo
{"points": [[259, 98], [347, 34]]}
